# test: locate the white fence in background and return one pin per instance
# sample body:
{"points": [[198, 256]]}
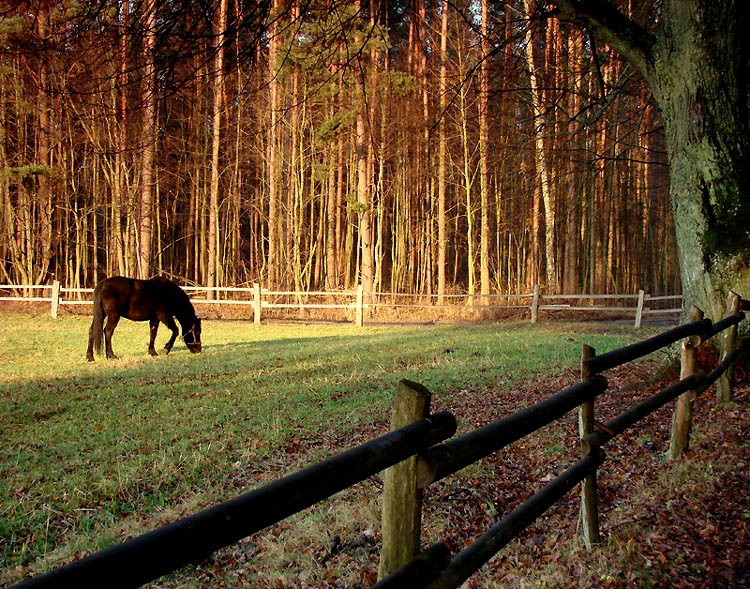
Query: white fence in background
{"points": [[261, 298]]}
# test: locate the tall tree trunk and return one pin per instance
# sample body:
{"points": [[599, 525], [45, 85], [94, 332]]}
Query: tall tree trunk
{"points": [[274, 265], [218, 91], [363, 192], [442, 149], [705, 112], [294, 209], [148, 140], [331, 267], [575, 201], [484, 176], [543, 176], [121, 198], [44, 194], [468, 176]]}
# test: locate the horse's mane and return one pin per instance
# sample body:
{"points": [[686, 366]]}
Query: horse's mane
{"points": [[186, 303], [187, 310]]}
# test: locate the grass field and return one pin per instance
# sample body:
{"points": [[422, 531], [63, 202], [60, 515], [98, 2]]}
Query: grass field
{"points": [[89, 450]]}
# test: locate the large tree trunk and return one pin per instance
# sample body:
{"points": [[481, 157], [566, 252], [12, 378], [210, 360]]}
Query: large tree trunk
{"points": [[696, 65], [701, 87]]}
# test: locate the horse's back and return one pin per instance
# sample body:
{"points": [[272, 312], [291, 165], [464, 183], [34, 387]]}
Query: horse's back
{"points": [[162, 284], [140, 300], [163, 289], [117, 287], [123, 296]]}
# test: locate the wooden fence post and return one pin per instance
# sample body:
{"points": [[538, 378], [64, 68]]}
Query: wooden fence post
{"points": [[729, 344], [682, 418], [535, 304], [55, 298], [359, 319], [639, 310], [256, 303], [402, 498], [589, 504]]}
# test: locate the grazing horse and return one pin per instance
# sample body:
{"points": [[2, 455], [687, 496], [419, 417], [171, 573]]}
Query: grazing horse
{"points": [[153, 300]]}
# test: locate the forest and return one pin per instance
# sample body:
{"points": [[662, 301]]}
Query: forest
{"points": [[426, 146]]}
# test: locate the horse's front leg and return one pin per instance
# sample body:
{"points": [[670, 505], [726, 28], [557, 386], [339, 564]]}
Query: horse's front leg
{"points": [[153, 328], [169, 322], [112, 321]]}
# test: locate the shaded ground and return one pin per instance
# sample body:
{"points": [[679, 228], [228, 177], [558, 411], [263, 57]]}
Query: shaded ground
{"points": [[684, 524]]}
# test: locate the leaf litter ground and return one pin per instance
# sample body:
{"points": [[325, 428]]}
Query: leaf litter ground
{"points": [[664, 524]]}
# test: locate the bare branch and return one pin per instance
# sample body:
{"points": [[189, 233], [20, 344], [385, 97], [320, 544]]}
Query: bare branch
{"points": [[610, 25]]}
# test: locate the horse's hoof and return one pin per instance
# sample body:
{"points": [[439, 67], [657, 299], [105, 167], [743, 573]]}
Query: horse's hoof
{"points": [[89, 358], [152, 352], [165, 351]]}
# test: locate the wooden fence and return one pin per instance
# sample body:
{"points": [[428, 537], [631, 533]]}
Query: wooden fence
{"points": [[417, 454], [434, 568], [640, 304]]}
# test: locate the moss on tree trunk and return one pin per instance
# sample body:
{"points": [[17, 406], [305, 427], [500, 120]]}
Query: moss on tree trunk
{"points": [[699, 80]]}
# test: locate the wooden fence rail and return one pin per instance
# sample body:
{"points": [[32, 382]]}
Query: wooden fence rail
{"points": [[471, 558], [194, 538], [433, 566], [262, 298], [418, 441], [451, 456]]}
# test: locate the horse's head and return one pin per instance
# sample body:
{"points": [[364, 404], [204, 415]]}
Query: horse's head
{"points": [[192, 337]]}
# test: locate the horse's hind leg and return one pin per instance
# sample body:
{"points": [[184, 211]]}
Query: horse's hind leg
{"points": [[175, 332], [153, 328], [92, 337], [108, 330]]}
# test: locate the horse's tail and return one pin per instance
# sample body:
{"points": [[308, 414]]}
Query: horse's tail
{"points": [[96, 332]]}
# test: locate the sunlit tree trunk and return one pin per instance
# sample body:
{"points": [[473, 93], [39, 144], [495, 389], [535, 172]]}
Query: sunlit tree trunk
{"points": [[272, 147], [574, 202], [442, 153], [484, 175], [218, 97], [294, 211], [542, 172], [468, 175], [695, 65], [148, 140], [120, 198], [363, 192], [331, 265]]}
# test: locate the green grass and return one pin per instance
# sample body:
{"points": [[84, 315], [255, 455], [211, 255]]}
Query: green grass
{"points": [[85, 447]]}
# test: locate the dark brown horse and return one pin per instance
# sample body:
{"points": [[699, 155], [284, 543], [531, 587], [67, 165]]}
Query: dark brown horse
{"points": [[153, 300]]}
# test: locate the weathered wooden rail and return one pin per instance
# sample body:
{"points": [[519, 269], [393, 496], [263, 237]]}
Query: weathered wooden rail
{"points": [[434, 568], [194, 538], [415, 455], [261, 298]]}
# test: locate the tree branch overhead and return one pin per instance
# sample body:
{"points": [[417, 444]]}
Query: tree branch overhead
{"points": [[610, 25]]}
